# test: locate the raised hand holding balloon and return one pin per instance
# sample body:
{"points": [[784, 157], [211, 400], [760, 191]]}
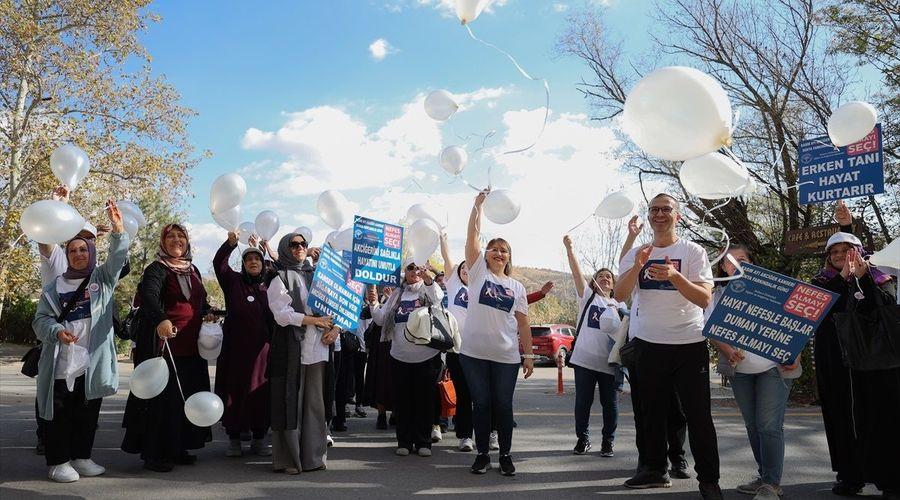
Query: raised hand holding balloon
{"points": [[70, 165]]}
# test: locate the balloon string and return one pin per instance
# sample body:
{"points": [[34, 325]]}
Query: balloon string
{"points": [[526, 75], [580, 223], [166, 342], [737, 265], [724, 252], [709, 211]]}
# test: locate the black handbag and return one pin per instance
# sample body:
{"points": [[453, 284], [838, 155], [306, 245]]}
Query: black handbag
{"points": [[350, 342], [628, 354], [32, 358], [870, 340]]}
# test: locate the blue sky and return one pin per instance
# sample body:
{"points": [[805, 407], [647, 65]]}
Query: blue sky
{"points": [[290, 95]]}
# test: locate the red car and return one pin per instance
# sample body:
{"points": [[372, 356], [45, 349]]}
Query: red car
{"points": [[548, 341]]}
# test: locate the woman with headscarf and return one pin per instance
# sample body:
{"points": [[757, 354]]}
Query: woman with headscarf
{"points": [[299, 351], [414, 368], [172, 308], [860, 408], [241, 367], [78, 364]]}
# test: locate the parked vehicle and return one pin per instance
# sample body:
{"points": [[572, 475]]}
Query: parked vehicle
{"points": [[548, 341]]}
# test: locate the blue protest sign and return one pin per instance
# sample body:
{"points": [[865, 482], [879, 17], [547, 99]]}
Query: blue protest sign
{"points": [[768, 314], [333, 293], [829, 174], [377, 252]]}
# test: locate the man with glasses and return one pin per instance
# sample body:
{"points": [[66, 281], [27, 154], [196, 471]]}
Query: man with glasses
{"points": [[670, 282]]}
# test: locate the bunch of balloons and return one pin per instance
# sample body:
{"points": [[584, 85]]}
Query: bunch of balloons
{"points": [[52, 221]]}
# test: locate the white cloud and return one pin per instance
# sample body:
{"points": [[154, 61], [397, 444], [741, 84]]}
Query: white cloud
{"points": [[447, 8], [380, 48], [560, 7]]}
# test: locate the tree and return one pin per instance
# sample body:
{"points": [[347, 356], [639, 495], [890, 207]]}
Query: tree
{"points": [[74, 71], [773, 62]]}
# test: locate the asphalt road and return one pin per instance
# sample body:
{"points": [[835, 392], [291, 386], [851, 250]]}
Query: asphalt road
{"points": [[362, 463]]}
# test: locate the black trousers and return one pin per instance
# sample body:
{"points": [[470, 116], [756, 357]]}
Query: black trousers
{"points": [[41, 424], [344, 362], [415, 394], [463, 419], [662, 371], [359, 376], [70, 435]]}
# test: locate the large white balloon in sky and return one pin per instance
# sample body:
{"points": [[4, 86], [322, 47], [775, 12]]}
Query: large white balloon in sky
{"points": [[423, 211], [714, 176], [70, 165], [245, 231], [423, 236], [454, 159], [332, 208], [227, 192], [615, 206], [501, 206], [440, 106], [266, 224], [230, 219], [851, 123], [469, 10], [51, 221], [678, 113], [306, 232]]}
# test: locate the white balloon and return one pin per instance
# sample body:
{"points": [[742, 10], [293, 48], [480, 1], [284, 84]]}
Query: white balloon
{"points": [[267, 224], [69, 164], [203, 408], [423, 236], [330, 237], [851, 123], [454, 159], [888, 256], [227, 191], [440, 106], [752, 186], [501, 207], [51, 221], [714, 176], [131, 208], [423, 211], [677, 113], [245, 231], [332, 208], [306, 232], [468, 10], [343, 240], [615, 206], [230, 219], [149, 378], [131, 225]]}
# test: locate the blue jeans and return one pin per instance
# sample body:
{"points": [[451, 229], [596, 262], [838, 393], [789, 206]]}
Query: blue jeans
{"points": [[491, 385], [585, 381], [762, 398]]}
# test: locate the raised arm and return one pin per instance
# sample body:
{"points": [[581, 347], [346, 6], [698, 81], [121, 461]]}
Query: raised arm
{"points": [[473, 243], [574, 267], [111, 270], [634, 229], [224, 272], [445, 254]]}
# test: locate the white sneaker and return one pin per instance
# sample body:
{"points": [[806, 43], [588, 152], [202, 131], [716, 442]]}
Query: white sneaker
{"points": [[87, 467], [768, 492], [466, 444], [436, 434], [402, 452], [424, 452], [329, 440], [495, 444], [63, 473]]}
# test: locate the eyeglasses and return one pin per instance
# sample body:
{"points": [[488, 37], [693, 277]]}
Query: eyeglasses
{"points": [[297, 244], [664, 210]]}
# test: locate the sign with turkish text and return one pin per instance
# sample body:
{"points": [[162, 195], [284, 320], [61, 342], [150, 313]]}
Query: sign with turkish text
{"points": [[812, 240], [377, 252], [828, 173], [333, 293]]}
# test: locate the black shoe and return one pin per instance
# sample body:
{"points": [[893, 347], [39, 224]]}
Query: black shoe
{"points": [[338, 427], [606, 449], [482, 464], [159, 465], [360, 413], [186, 459], [646, 479], [845, 489], [710, 491], [381, 422], [506, 465], [582, 446], [245, 436], [679, 470]]}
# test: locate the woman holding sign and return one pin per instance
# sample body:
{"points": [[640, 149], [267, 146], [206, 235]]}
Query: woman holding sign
{"points": [[761, 389], [298, 353], [414, 368], [861, 408], [497, 311]]}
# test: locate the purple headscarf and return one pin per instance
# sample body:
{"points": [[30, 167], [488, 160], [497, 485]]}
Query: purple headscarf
{"points": [[74, 274], [828, 271]]}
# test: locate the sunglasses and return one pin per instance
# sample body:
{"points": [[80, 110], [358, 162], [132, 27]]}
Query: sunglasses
{"points": [[297, 244], [412, 267]]}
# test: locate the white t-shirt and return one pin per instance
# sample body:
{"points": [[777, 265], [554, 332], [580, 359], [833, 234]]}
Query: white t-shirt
{"points": [[659, 313], [491, 331], [457, 298], [73, 359], [752, 363], [53, 266], [402, 349], [595, 338]]}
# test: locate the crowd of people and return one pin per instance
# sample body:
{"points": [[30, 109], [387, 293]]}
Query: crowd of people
{"points": [[286, 375]]}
